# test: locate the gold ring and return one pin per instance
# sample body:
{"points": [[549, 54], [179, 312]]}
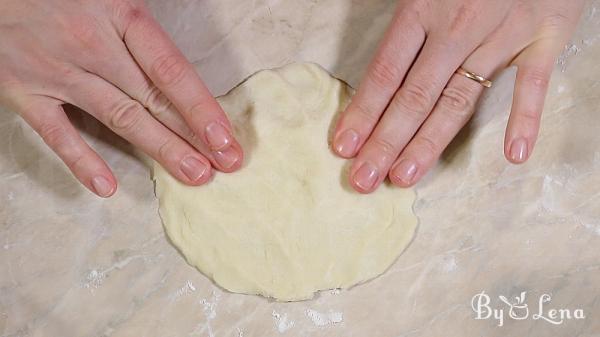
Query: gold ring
{"points": [[477, 78]]}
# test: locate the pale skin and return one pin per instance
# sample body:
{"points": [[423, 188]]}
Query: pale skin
{"points": [[113, 60], [411, 104]]}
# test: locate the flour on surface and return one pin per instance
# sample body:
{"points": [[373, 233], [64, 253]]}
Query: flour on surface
{"points": [[324, 319], [589, 42], [570, 50], [594, 228], [210, 312], [450, 264], [188, 288], [282, 323], [556, 188], [94, 279], [210, 307]]}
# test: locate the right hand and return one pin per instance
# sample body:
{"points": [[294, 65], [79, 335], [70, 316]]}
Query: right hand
{"points": [[411, 103], [113, 60]]}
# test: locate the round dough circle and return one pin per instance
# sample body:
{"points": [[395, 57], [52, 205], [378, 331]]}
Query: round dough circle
{"points": [[287, 225]]}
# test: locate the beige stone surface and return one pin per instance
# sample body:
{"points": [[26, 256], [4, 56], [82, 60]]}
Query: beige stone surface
{"points": [[74, 265]]}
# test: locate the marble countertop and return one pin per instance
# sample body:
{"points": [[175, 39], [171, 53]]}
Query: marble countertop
{"points": [[75, 265]]}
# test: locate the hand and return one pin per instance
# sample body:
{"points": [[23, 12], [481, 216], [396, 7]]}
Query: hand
{"points": [[411, 103], [113, 60]]}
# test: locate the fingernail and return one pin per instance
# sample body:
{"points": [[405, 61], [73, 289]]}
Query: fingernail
{"points": [[405, 171], [193, 168], [102, 186], [366, 176], [217, 136], [226, 158], [518, 150], [346, 143]]}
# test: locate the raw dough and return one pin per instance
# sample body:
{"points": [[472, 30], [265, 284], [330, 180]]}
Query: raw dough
{"points": [[286, 225]]}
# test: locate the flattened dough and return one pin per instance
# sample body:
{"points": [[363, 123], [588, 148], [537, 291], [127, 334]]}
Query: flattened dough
{"points": [[287, 225]]}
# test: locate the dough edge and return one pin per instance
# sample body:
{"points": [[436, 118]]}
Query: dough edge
{"points": [[166, 185]]}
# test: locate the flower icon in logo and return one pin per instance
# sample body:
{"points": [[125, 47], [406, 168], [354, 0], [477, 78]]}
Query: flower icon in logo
{"points": [[519, 310]]}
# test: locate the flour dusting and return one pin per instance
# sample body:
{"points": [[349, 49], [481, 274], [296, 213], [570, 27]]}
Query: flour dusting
{"points": [[570, 50], [558, 188], [94, 279], [591, 13], [210, 307], [324, 319], [450, 264], [589, 42], [210, 312], [594, 228], [548, 194], [282, 323], [188, 288]]}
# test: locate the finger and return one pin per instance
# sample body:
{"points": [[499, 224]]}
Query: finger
{"points": [[452, 111], [129, 119], [174, 76], [535, 67], [48, 119], [125, 74], [406, 112], [397, 52]]}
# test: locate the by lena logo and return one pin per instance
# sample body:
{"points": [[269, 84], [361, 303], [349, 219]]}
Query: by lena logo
{"points": [[518, 310]]}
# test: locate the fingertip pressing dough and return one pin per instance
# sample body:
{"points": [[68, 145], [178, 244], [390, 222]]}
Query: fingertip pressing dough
{"points": [[287, 225]]}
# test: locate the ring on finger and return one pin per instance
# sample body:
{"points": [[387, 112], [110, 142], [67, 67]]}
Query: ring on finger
{"points": [[475, 77]]}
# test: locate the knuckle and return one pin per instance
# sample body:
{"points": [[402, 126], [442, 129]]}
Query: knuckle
{"points": [[165, 150], [537, 77], [56, 137], [556, 20], [463, 18], [415, 10], [169, 69], [76, 163], [53, 135], [529, 116], [69, 78], [126, 116], [127, 10], [156, 102], [85, 31], [426, 144], [458, 102], [384, 73], [384, 146], [414, 100], [197, 109], [366, 112]]}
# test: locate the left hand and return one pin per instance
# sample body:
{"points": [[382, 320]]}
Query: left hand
{"points": [[411, 104]]}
